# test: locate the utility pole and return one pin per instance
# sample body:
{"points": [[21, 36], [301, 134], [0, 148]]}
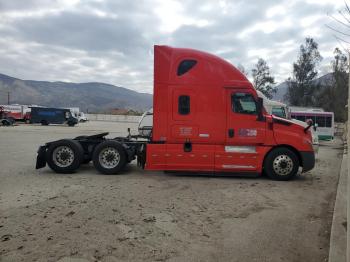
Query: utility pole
{"points": [[8, 97], [348, 162]]}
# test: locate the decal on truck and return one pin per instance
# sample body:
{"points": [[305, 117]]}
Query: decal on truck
{"points": [[247, 132]]}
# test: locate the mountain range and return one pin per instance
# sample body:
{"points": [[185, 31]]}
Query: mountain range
{"points": [[282, 87], [91, 97]]}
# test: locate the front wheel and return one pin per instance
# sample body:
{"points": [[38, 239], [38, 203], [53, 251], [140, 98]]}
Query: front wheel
{"points": [[109, 157], [65, 156], [281, 164]]}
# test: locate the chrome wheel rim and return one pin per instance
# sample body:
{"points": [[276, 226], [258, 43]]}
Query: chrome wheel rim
{"points": [[109, 157], [63, 156], [283, 165]]}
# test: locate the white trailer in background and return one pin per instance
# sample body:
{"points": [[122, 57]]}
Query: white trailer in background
{"points": [[275, 108], [146, 123]]}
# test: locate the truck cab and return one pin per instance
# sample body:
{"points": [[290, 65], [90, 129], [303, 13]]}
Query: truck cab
{"points": [[207, 117]]}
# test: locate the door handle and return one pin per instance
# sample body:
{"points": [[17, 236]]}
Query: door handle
{"points": [[231, 133]]}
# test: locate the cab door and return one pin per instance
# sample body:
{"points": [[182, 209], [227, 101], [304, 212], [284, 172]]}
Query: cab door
{"points": [[242, 124], [244, 133]]}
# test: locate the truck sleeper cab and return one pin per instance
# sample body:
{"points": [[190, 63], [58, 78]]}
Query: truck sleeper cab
{"points": [[207, 117]]}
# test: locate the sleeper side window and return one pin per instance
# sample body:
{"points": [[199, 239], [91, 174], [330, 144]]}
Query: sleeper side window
{"points": [[184, 105], [185, 66], [243, 103]]}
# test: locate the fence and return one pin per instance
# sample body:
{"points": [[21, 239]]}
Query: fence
{"points": [[113, 118]]}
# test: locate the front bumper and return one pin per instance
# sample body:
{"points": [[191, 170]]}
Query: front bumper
{"points": [[307, 160]]}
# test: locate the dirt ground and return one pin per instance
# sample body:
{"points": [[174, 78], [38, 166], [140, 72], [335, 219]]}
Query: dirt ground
{"points": [[152, 216]]}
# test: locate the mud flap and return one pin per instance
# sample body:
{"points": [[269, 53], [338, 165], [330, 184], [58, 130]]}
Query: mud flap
{"points": [[41, 158]]}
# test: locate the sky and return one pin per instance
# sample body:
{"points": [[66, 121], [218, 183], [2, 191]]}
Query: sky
{"points": [[112, 41]]}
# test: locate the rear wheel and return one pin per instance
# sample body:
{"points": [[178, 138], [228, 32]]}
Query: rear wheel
{"points": [[281, 164], [65, 156], [44, 123], [109, 157], [11, 120], [5, 122]]}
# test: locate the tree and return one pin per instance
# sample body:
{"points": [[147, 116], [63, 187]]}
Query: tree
{"points": [[302, 87], [262, 79], [333, 96]]}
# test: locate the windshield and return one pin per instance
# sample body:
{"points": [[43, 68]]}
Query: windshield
{"points": [[279, 111]]}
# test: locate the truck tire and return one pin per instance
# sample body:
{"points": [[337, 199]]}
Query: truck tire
{"points": [[71, 124], [11, 120], [109, 157], [65, 156], [5, 122], [44, 123], [281, 164]]}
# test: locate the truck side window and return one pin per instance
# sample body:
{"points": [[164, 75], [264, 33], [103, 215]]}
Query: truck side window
{"points": [[244, 104], [185, 66], [184, 105]]}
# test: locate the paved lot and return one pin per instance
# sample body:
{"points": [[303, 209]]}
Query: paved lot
{"points": [[151, 216]]}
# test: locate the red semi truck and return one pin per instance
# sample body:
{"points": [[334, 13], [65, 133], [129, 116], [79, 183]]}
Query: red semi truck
{"points": [[207, 117]]}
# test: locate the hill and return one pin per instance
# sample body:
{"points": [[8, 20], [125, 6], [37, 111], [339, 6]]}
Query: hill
{"points": [[282, 87], [93, 96]]}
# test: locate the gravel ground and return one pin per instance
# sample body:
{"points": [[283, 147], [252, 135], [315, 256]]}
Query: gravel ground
{"points": [[152, 216]]}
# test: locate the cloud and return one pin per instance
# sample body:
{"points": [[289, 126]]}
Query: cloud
{"points": [[112, 40]]}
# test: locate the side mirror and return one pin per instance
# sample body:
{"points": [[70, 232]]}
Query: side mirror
{"points": [[309, 124], [260, 106]]}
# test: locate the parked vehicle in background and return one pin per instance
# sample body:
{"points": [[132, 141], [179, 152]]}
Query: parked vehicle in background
{"points": [[27, 117], [324, 121], [74, 110], [82, 117], [16, 111], [146, 123], [49, 115], [275, 108], [5, 118]]}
